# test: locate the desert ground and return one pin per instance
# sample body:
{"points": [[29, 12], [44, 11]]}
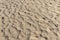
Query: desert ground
{"points": [[29, 19]]}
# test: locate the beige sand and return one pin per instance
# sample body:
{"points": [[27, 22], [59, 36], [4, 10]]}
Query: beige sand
{"points": [[29, 20]]}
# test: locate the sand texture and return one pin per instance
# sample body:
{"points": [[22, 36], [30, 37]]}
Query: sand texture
{"points": [[29, 19]]}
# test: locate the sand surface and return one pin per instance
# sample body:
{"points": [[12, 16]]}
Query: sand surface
{"points": [[29, 19]]}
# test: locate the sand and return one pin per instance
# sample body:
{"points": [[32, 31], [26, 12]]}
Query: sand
{"points": [[29, 19]]}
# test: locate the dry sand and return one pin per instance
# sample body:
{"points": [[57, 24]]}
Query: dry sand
{"points": [[29, 19]]}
